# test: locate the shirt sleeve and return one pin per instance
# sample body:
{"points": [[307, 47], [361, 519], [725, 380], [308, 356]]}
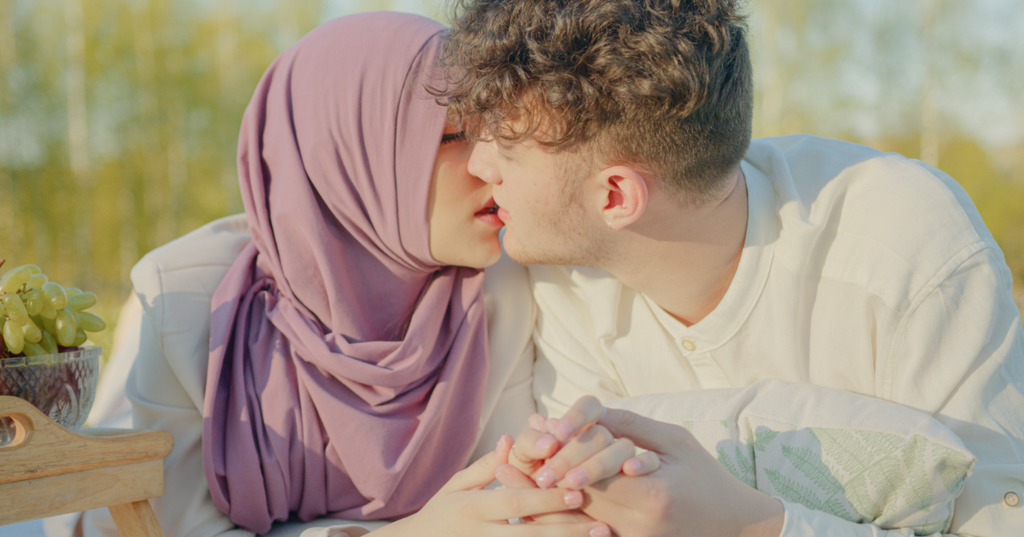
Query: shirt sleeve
{"points": [[801, 521], [160, 401], [959, 355]]}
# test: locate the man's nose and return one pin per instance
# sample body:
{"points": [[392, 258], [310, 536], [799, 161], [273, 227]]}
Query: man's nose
{"points": [[481, 162]]}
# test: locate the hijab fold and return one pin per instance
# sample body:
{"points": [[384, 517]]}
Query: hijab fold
{"points": [[347, 366]]}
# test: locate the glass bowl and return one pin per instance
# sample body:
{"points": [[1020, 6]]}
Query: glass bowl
{"points": [[62, 385]]}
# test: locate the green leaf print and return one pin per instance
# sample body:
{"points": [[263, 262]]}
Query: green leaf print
{"points": [[955, 470], [852, 450], [793, 491], [858, 475], [729, 464], [741, 467], [762, 438], [745, 460], [871, 460], [813, 468], [798, 493], [920, 492]]}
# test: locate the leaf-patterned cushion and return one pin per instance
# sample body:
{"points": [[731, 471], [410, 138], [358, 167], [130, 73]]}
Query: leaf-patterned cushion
{"points": [[862, 459]]}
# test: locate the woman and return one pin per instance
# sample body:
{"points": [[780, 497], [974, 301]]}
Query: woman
{"points": [[322, 355]]}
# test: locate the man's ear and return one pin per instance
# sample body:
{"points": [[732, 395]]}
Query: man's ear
{"points": [[626, 196]]}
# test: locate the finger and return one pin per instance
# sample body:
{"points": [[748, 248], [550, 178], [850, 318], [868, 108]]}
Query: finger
{"points": [[503, 504], [561, 518], [511, 477], [664, 438], [503, 448], [531, 449], [481, 473], [613, 501], [585, 445], [585, 411], [641, 464], [537, 422], [603, 465]]}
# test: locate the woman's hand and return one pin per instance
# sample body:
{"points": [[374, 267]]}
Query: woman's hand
{"points": [[512, 478], [463, 508]]}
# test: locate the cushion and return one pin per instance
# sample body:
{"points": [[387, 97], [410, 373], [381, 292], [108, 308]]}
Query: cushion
{"points": [[862, 459]]}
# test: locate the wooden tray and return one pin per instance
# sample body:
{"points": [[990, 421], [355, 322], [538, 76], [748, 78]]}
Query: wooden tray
{"points": [[48, 470]]}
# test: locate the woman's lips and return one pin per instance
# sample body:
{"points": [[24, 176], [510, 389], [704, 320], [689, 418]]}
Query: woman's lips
{"points": [[489, 214]]}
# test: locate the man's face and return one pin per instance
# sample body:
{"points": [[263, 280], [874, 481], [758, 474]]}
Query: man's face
{"points": [[548, 215]]}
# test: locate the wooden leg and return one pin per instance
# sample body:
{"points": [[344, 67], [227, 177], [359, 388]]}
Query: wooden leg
{"points": [[135, 519], [79, 530]]}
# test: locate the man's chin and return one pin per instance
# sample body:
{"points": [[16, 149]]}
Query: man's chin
{"points": [[526, 255], [517, 256], [516, 250]]}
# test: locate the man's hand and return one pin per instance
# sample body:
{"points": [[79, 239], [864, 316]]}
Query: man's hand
{"points": [[691, 494]]}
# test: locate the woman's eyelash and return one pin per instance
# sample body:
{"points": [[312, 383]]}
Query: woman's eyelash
{"points": [[453, 137]]}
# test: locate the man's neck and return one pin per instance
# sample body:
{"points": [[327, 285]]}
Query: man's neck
{"points": [[684, 258]]}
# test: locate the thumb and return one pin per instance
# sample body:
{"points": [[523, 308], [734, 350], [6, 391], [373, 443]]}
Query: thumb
{"points": [[653, 435]]}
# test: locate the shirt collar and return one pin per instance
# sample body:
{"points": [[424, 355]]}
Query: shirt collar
{"points": [[751, 275]]}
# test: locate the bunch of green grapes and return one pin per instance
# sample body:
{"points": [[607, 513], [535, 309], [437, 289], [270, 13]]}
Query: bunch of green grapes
{"points": [[39, 317]]}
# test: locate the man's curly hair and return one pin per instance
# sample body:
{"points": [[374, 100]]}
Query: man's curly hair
{"points": [[662, 84]]}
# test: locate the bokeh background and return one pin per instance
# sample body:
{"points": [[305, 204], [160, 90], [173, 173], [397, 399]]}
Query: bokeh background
{"points": [[119, 118]]}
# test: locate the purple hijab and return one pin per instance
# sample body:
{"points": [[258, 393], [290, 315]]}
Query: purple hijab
{"points": [[347, 366]]}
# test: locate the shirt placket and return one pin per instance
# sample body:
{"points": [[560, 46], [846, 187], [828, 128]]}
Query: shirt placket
{"points": [[709, 373]]}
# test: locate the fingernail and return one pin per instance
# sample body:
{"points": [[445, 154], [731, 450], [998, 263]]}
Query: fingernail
{"points": [[545, 443], [573, 498], [600, 531], [550, 425], [635, 465], [537, 423], [577, 478], [503, 441], [503, 477], [564, 431], [545, 478]]}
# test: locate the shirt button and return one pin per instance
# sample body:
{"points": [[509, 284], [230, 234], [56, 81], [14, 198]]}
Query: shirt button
{"points": [[1011, 499], [689, 345]]}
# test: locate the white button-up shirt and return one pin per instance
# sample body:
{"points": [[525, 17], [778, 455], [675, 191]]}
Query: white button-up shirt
{"points": [[861, 271]]}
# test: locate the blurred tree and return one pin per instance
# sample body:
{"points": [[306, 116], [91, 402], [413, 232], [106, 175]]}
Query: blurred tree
{"points": [[932, 79], [119, 118], [119, 125]]}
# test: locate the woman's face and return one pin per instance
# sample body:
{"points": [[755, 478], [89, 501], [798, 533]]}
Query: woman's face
{"points": [[463, 221]]}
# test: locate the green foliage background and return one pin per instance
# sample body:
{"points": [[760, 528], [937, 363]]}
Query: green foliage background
{"points": [[119, 118]]}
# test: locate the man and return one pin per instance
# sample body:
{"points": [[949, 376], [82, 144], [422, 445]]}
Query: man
{"points": [[616, 134]]}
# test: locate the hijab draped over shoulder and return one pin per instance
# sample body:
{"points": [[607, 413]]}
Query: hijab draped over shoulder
{"points": [[347, 366]]}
